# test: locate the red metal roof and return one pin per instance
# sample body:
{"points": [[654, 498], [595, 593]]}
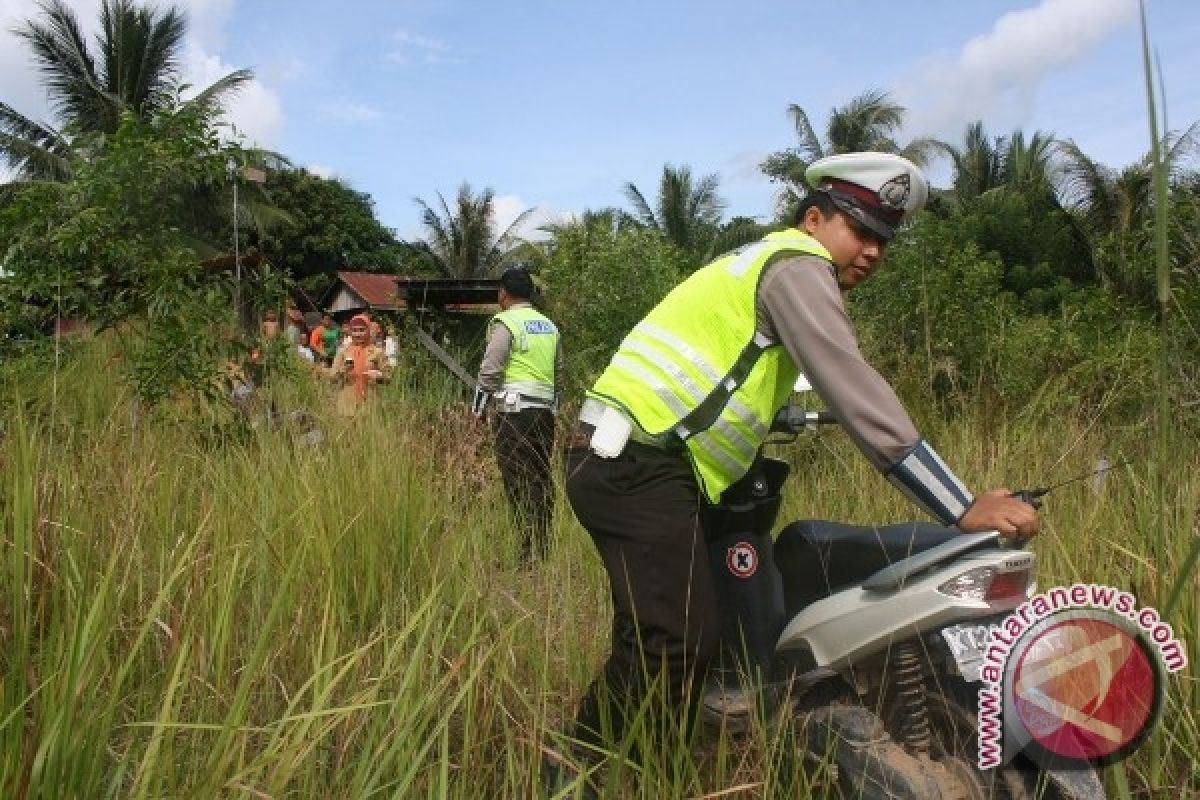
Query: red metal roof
{"points": [[378, 291], [381, 292]]}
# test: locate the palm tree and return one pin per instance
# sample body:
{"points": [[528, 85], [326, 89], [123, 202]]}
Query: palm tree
{"points": [[1029, 165], [462, 243], [1117, 206], [978, 164], [869, 121], [687, 211], [1009, 163], [134, 67], [1120, 201], [33, 150]]}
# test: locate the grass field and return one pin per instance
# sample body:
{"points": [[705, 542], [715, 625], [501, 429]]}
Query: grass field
{"points": [[183, 615]]}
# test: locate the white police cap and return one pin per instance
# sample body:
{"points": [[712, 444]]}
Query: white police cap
{"points": [[879, 190]]}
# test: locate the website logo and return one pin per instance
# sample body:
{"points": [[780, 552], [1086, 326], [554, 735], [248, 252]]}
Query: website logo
{"points": [[1074, 676]]}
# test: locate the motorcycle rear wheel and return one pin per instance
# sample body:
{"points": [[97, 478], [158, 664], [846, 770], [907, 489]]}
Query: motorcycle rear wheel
{"points": [[953, 724]]}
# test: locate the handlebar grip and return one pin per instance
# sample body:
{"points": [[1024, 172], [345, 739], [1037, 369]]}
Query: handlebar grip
{"points": [[1030, 496], [795, 420]]}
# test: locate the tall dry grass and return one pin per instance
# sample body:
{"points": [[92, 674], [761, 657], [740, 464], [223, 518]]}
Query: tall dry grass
{"points": [[187, 610]]}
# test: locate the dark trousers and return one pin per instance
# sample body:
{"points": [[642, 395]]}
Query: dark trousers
{"points": [[524, 440], [641, 510]]}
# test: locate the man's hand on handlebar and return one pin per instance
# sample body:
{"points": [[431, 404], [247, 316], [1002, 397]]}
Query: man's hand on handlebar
{"points": [[998, 510]]}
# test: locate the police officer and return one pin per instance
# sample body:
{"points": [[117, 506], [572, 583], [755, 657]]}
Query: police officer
{"points": [[687, 400], [522, 366]]}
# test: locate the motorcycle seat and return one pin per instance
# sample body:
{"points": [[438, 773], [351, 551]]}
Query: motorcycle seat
{"points": [[818, 558]]}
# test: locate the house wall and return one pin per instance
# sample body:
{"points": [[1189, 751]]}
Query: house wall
{"points": [[346, 300]]}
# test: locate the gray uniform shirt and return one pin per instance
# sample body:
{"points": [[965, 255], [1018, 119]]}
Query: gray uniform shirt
{"points": [[799, 305], [495, 357]]}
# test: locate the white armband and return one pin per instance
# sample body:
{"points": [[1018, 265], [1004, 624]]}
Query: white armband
{"points": [[927, 481]]}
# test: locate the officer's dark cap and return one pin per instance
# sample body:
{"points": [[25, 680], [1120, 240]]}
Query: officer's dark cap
{"points": [[517, 282]]}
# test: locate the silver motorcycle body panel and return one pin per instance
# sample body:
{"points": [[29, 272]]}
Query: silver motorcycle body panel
{"points": [[855, 624]]}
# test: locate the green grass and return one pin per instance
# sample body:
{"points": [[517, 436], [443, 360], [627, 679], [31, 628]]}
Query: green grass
{"points": [[190, 610]]}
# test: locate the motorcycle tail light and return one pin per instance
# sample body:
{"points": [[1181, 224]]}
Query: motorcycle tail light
{"points": [[1008, 587], [970, 585]]}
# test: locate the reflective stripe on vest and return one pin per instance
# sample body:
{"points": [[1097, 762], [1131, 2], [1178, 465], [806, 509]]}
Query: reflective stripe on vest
{"points": [[695, 368], [531, 361]]}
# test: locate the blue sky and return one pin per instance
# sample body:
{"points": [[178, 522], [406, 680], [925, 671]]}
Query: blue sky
{"points": [[558, 104]]}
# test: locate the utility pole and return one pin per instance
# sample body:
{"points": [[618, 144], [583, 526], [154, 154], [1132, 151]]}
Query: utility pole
{"points": [[255, 176], [237, 257]]}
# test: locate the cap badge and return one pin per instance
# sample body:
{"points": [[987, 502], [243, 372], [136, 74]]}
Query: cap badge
{"points": [[894, 193]]}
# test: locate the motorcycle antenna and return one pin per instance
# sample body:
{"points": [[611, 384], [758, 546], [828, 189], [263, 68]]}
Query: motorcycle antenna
{"points": [[1029, 495]]}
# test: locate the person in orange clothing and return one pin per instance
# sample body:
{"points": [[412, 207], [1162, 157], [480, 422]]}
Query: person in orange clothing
{"points": [[316, 340], [357, 366]]}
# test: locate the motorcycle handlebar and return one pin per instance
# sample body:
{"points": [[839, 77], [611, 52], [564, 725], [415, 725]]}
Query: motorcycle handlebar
{"points": [[796, 420]]}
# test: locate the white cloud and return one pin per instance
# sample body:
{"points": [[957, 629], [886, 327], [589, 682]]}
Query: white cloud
{"points": [[409, 48], [322, 171], [256, 109], [997, 74], [351, 112], [206, 21], [282, 69], [507, 207]]}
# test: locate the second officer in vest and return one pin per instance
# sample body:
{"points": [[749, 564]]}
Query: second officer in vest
{"points": [[689, 397], [518, 380]]}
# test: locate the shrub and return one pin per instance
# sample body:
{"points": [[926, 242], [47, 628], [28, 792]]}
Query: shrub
{"points": [[599, 282]]}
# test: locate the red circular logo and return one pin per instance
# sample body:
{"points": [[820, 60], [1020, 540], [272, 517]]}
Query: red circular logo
{"points": [[742, 559], [1084, 688]]}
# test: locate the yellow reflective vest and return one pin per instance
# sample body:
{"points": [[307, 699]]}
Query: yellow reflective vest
{"points": [[531, 362], [696, 370]]}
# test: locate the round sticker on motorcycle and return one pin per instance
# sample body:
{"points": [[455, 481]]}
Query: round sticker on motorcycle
{"points": [[742, 559]]}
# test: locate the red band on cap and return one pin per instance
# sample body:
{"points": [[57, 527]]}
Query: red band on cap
{"points": [[866, 197]]}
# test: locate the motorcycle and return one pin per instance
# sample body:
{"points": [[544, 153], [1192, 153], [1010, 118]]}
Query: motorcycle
{"points": [[871, 638]]}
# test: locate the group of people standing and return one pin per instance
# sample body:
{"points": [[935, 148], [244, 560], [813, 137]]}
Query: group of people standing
{"points": [[321, 342], [355, 356]]}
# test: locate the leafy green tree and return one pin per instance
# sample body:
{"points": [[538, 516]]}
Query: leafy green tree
{"points": [[134, 67], [462, 242], [115, 241], [603, 279], [869, 121], [1041, 255], [739, 231], [934, 306], [686, 211], [614, 218], [329, 227], [1004, 195]]}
